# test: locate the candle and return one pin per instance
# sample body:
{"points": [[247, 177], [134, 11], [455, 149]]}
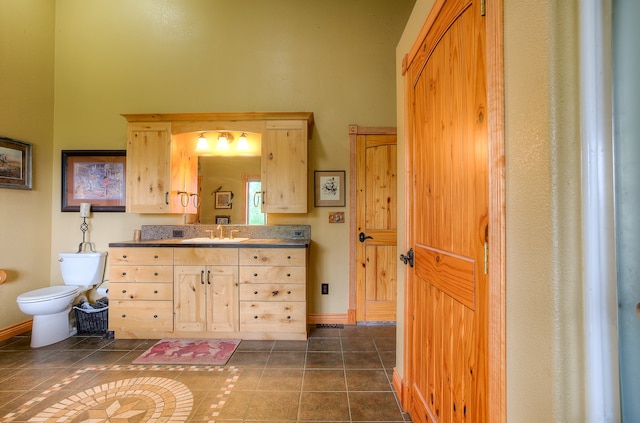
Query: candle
{"points": [[85, 209]]}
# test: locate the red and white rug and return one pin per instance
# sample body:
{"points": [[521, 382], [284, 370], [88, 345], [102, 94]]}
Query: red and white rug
{"points": [[213, 352]]}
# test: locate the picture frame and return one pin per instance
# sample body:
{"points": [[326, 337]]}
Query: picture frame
{"points": [[224, 199], [329, 188], [223, 220], [96, 177], [15, 164]]}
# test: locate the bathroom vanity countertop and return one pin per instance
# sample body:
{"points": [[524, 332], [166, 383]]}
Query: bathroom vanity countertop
{"points": [[249, 243]]}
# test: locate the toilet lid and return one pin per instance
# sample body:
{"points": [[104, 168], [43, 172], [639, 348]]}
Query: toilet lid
{"points": [[48, 293]]}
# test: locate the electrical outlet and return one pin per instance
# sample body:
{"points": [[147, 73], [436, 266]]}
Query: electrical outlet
{"points": [[325, 289], [297, 234], [178, 233]]}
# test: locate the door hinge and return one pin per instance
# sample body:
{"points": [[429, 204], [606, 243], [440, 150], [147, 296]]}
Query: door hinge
{"points": [[486, 257], [483, 7]]}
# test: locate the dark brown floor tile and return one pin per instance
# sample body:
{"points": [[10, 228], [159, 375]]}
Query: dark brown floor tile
{"points": [[374, 406], [324, 407], [324, 344], [388, 359], [324, 380], [367, 380], [290, 346], [324, 332], [101, 357], [281, 380], [386, 343], [249, 359], [274, 406], [255, 345], [91, 343], [288, 359], [355, 331], [324, 360], [358, 344], [362, 360], [388, 331]]}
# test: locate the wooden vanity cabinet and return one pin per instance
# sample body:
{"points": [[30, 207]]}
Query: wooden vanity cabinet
{"points": [[284, 167], [158, 169], [273, 290], [141, 289], [206, 289]]}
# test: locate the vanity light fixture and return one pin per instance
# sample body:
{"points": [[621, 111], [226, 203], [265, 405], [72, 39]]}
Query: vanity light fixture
{"points": [[203, 144], [243, 143], [224, 139]]}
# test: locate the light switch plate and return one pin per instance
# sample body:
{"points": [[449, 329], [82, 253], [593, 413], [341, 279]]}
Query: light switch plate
{"points": [[336, 217]]}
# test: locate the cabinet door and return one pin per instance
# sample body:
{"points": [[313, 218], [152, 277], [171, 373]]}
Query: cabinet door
{"points": [[284, 167], [189, 298], [148, 167], [222, 298]]}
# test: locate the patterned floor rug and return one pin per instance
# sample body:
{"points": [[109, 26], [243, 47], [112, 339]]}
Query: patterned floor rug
{"points": [[213, 352]]}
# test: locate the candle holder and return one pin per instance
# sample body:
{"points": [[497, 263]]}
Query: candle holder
{"points": [[85, 209]]}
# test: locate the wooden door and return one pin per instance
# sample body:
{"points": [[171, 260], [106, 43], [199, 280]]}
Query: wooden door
{"points": [[448, 218], [375, 153]]}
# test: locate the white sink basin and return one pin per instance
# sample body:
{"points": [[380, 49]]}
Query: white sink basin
{"points": [[214, 240]]}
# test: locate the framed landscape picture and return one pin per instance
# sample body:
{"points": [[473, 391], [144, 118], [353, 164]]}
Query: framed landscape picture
{"points": [[15, 164], [93, 176]]}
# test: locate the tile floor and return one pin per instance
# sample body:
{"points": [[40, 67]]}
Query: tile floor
{"points": [[337, 375]]}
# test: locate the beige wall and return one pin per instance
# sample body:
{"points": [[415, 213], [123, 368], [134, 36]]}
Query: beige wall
{"points": [[332, 57], [544, 284], [26, 114]]}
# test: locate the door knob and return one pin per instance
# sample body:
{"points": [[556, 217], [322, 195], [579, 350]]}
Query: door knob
{"points": [[362, 237], [408, 258]]}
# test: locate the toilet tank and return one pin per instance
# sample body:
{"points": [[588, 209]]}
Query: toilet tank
{"points": [[82, 269]]}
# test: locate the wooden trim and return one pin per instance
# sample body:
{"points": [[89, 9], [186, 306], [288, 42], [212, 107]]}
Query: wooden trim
{"points": [[173, 117], [328, 319], [17, 329], [497, 405], [402, 390]]}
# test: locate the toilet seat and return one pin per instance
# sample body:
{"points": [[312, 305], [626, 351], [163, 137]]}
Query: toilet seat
{"points": [[48, 293]]}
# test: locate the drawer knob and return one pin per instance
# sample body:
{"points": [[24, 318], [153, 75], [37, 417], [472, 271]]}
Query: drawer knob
{"points": [[155, 291], [288, 257], [155, 316], [155, 256], [255, 317], [255, 257], [255, 292], [124, 291], [255, 275], [274, 293], [155, 274], [124, 273], [289, 292], [288, 275], [289, 317], [124, 256], [124, 315]]}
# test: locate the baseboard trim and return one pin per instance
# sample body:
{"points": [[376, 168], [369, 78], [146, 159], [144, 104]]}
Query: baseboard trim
{"points": [[17, 329], [327, 319], [401, 389]]}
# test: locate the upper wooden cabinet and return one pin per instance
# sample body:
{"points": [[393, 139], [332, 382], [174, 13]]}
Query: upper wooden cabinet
{"points": [[159, 166]]}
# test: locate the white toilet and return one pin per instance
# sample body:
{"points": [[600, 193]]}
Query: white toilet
{"points": [[50, 306]]}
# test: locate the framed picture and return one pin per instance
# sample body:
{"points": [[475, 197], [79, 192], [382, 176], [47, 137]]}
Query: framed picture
{"points": [[96, 177], [15, 164], [224, 199], [223, 220], [329, 188]]}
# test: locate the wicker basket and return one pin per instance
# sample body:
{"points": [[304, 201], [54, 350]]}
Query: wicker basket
{"points": [[92, 321]]}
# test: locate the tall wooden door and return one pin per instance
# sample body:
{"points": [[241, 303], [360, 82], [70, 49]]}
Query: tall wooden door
{"points": [[375, 156], [448, 217]]}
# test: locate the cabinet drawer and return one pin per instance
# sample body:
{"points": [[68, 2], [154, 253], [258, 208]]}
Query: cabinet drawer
{"points": [[141, 315], [273, 316], [141, 255], [140, 291], [269, 274], [141, 273], [273, 256], [272, 292], [205, 256]]}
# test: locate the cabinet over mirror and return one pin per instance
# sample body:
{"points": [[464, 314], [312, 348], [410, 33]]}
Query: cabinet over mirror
{"points": [[168, 173]]}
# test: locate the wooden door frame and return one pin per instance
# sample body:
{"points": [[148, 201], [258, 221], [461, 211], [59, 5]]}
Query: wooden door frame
{"points": [[354, 131], [496, 398]]}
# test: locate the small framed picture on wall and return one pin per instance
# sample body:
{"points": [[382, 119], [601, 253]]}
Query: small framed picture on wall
{"points": [[223, 220]]}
